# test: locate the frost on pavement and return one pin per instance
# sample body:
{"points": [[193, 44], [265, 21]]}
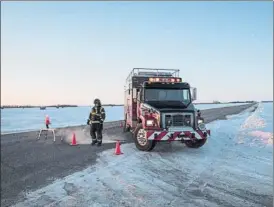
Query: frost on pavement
{"points": [[224, 172]]}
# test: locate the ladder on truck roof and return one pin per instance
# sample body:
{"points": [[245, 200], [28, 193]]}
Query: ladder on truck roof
{"points": [[156, 72]]}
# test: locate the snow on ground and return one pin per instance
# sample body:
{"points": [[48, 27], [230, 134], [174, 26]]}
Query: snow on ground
{"points": [[234, 168]]}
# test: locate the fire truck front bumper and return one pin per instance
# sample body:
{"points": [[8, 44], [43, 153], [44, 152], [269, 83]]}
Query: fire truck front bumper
{"points": [[177, 135]]}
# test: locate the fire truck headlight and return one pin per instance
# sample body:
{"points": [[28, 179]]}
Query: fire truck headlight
{"points": [[201, 126], [149, 123], [200, 121]]}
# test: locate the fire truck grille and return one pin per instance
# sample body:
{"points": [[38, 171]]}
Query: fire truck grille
{"points": [[177, 120]]}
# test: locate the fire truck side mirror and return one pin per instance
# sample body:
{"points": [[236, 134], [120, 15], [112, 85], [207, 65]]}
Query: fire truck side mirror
{"points": [[193, 94]]}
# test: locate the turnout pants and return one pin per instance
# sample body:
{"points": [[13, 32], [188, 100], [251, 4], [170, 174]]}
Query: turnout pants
{"points": [[96, 130]]}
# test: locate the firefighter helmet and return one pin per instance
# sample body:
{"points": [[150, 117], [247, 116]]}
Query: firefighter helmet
{"points": [[97, 101]]}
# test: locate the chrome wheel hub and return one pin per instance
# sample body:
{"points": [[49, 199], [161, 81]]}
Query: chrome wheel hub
{"points": [[141, 137]]}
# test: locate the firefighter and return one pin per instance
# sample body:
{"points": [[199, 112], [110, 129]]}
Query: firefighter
{"points": [[96, 119]]}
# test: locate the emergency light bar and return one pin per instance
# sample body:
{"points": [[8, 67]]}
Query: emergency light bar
{"points": [[165, 80]]}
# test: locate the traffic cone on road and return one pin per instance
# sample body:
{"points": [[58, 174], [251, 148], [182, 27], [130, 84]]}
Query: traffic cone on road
{"points": [[73, 142], [117, 148]]}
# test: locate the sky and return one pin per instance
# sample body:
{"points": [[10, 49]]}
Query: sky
{"points": [[73, 52]]}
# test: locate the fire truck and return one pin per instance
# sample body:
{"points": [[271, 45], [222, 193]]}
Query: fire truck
{"points": [[158, 107]]}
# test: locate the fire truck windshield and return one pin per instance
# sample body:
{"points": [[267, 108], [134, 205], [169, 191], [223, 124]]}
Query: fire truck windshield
{"points": [[166, 95]]}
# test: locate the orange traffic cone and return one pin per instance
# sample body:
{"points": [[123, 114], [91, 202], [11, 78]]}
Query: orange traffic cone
{"points": [[73, 142], [117, 148]]}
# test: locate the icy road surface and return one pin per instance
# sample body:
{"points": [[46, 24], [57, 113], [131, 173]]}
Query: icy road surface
{"points": [[234, 168]]}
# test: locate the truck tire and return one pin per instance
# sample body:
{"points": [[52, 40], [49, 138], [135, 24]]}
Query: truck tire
{"points": [[197, 144], [140, 140]]}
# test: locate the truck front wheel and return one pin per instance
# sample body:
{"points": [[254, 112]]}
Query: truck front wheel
{"points": [[195, 144], [141, 142]]}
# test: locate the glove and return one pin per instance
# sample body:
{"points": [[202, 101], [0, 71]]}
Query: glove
{"points": [[88, 122], [101, 121]]}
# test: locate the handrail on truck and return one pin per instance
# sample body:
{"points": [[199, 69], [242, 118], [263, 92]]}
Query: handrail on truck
{"points": [[136, 71]]}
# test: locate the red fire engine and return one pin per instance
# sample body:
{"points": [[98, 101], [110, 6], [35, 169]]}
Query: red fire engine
{"points": [[158, 107]]}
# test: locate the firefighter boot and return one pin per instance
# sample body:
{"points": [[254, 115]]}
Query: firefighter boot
{"points": [[99, 143], [93, 142]]}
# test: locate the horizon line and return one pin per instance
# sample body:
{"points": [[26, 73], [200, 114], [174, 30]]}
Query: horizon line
{"points": [[75, 105]]}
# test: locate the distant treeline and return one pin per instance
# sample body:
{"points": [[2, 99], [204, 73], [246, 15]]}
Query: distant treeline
{"points": [[250, 101], [112, 104], [50, 106], [30, 106], [62, 106], [231, 102]]}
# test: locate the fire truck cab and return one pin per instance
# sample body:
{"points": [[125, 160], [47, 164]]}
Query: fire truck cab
{"points": [[158, 107]]}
